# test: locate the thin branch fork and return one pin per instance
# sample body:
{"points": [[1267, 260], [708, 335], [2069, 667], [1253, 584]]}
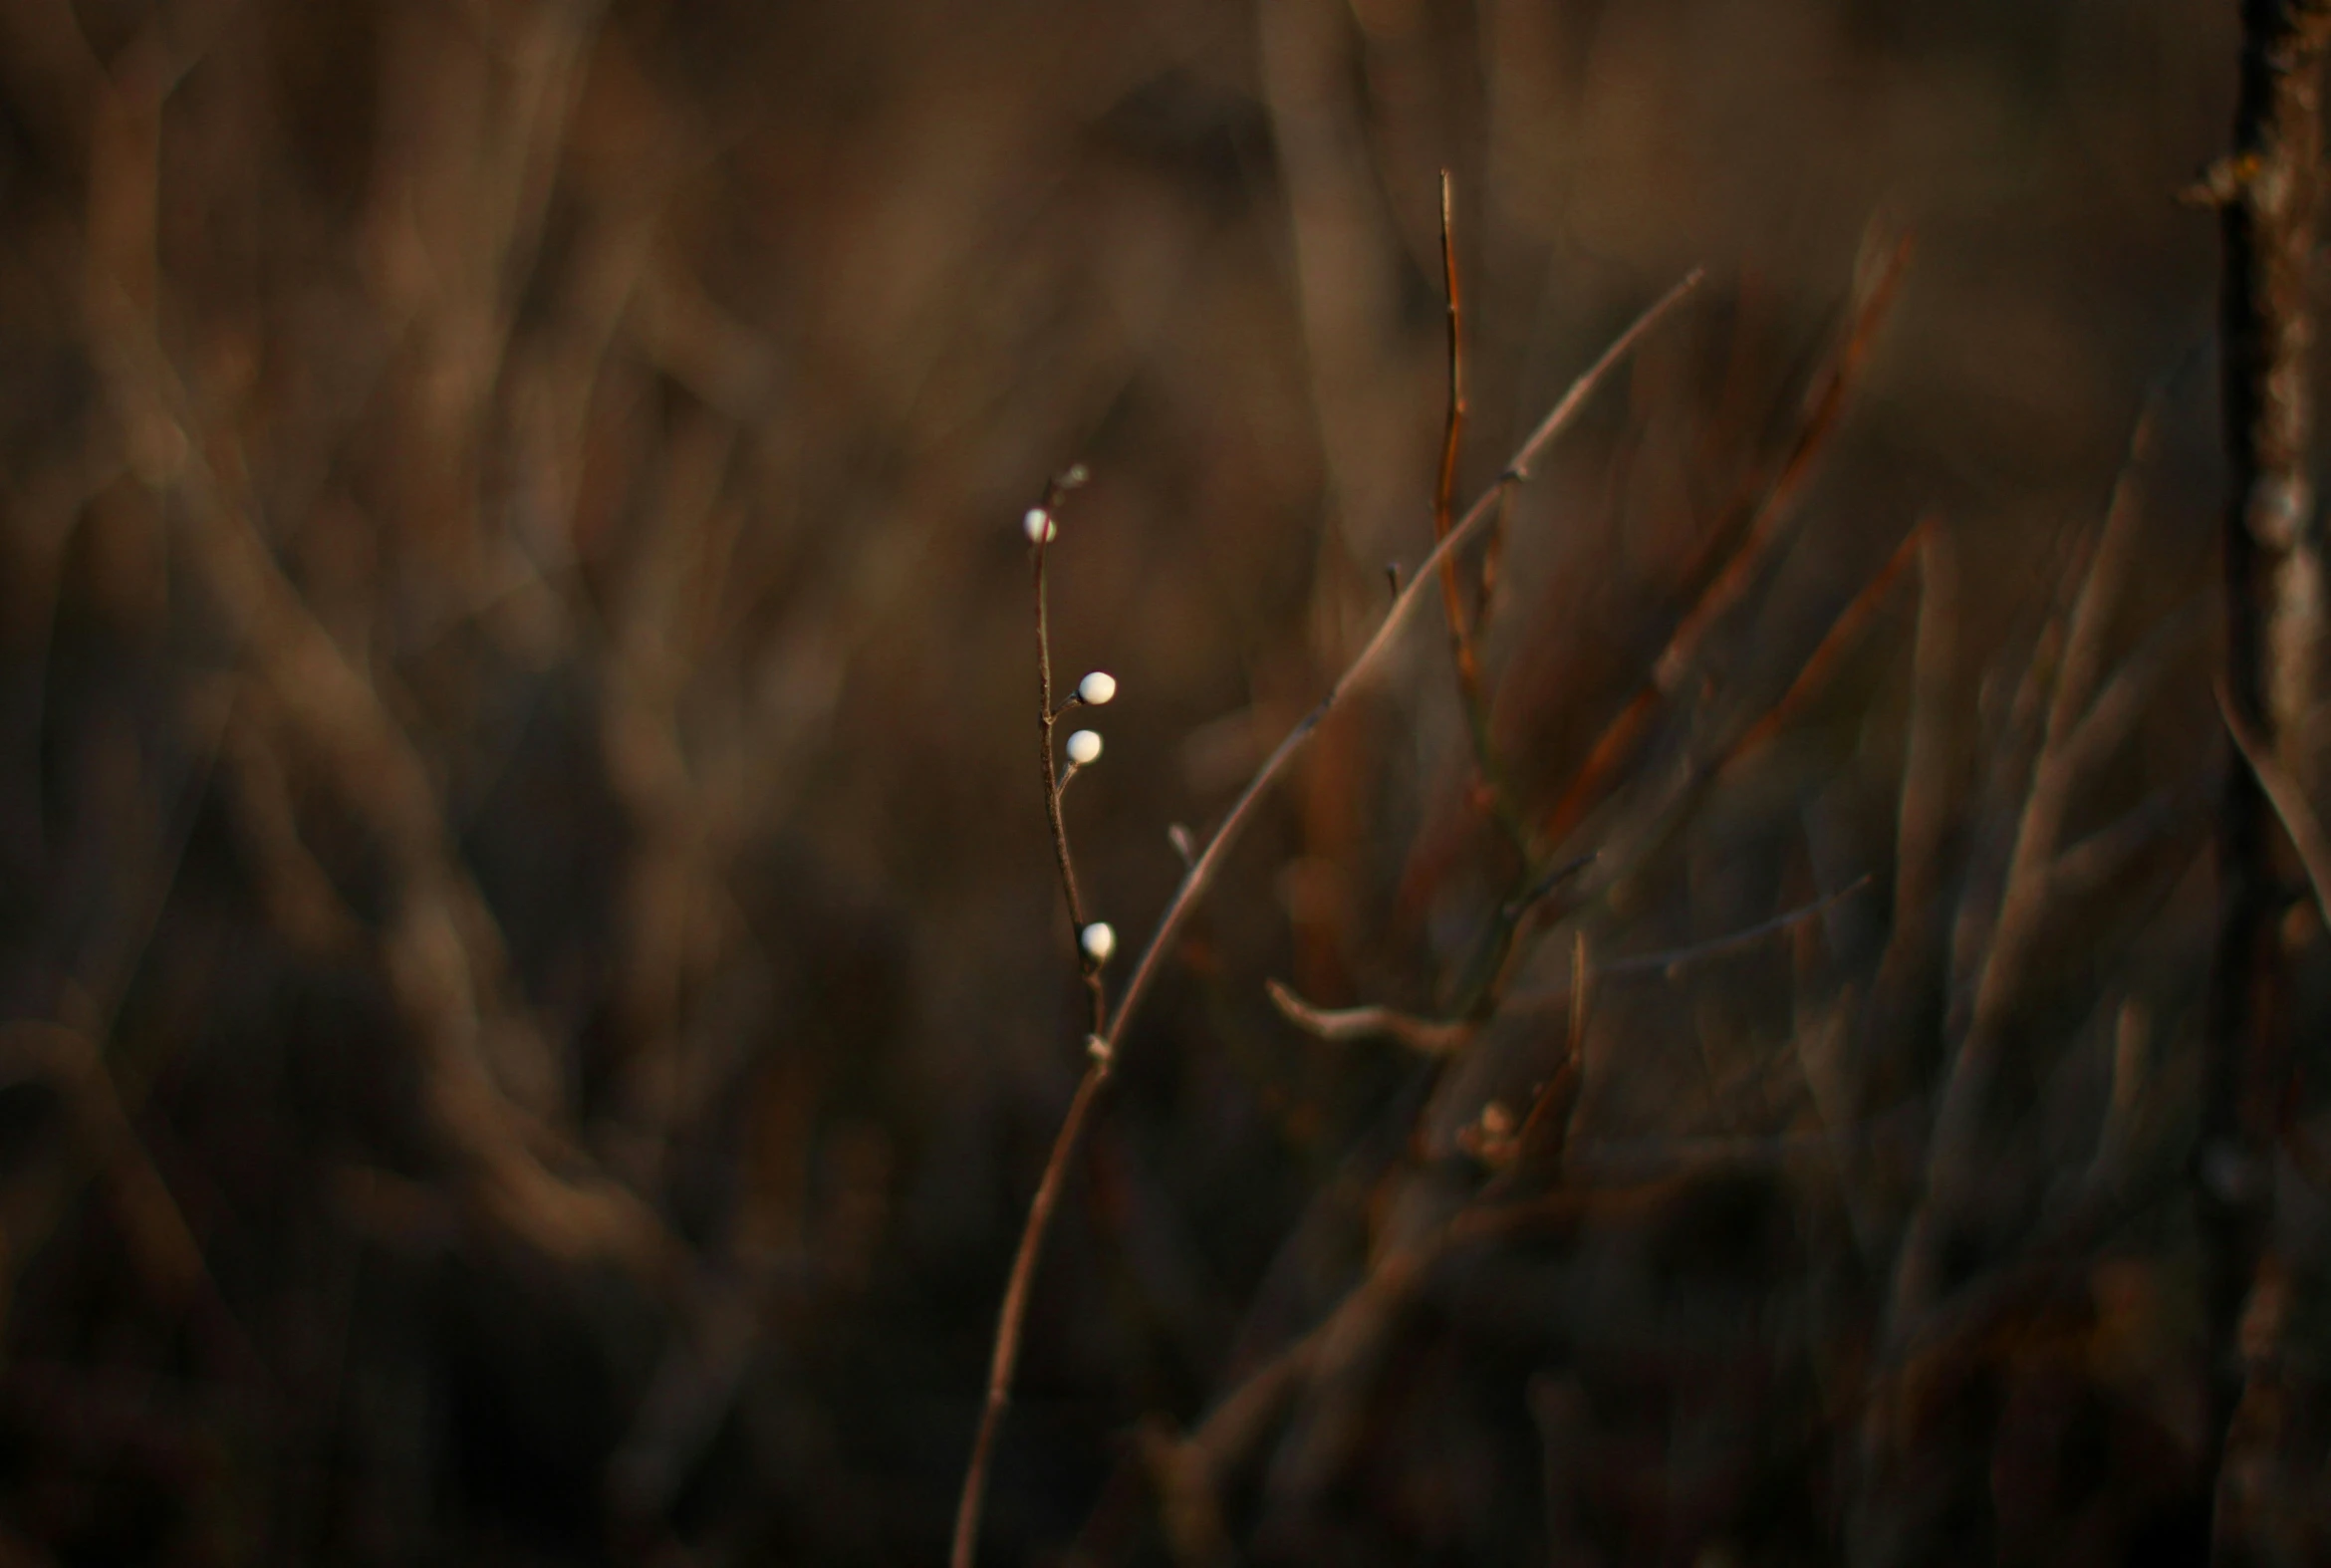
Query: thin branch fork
{"points": [[1204, 867]]}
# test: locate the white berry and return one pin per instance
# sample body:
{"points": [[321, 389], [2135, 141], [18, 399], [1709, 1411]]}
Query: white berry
{"points": [[1084, 748], [1097, 688], [1098, 940], [1039, 526]]}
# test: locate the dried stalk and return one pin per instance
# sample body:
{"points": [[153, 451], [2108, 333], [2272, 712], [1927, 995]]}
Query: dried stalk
{"points": [[1923, 815], [1464, 635], [2268, 192], [1004, 1357], [1829, 653], [1453, 599]]}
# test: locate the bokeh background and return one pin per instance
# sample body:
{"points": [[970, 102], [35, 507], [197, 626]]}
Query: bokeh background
{"points": [[533, 991]]}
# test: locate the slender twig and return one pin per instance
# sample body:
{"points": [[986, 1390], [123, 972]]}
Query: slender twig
{"points": [[1464, 638], [1822, 663], [1582, 1004], [1923, 809], [1339, 1025], [1438, 1036], [1011, 1320], [1453, 599], [1546, 1129], [1048, 717], [1004, 1357]]}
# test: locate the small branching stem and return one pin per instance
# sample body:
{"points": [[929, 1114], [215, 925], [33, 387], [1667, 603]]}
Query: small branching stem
{"points": [[1109, 1029], [2274, 585]]}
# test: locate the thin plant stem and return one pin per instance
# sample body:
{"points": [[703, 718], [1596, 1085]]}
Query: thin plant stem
{"points": [[1465, 643], [1047, 720], [1004, 1358], [1453, 600], [2272, 576], [1011, 1322]]}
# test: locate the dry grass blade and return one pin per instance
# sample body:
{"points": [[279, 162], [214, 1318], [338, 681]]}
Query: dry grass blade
{"points": [[2116, 551], [1823, 661], [1926, 801]]}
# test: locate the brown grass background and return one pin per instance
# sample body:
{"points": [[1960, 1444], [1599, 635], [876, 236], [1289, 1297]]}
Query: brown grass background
{"points": [[532, 986]]}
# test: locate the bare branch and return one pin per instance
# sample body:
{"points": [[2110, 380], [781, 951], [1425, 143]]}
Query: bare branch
{"points": [[1425, 1036]]}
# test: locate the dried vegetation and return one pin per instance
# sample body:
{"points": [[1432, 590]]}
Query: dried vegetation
{"points": [[534, 997]]}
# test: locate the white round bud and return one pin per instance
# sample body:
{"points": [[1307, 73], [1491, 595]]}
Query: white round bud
{"points": [[1097, 688], [1098, 940], [1039, 526], [1084, 748]]}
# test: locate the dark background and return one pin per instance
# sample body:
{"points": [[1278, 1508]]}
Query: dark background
{"points": [[531, 987]]}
